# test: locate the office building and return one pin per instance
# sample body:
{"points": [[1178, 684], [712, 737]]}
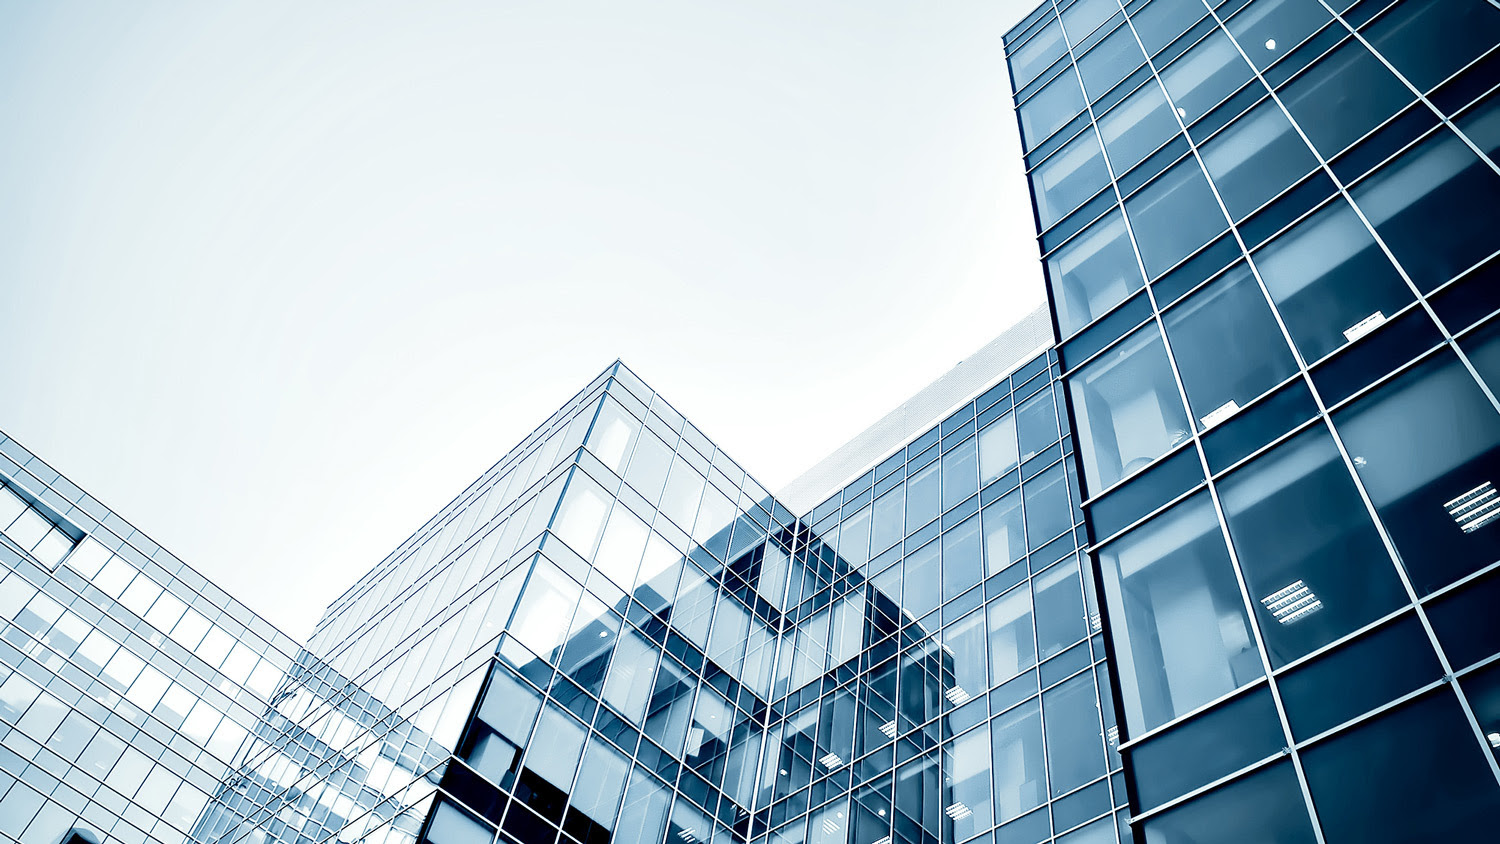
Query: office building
{"points": [[1269, 234]]}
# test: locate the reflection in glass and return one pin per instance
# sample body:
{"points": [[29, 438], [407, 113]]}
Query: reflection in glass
{"points": [[1268, 801], [1020, 774], [1426, 446], [1012, 643], [1112, 60], [1204, 76], [1037, 54], [1059, 608], [1255, 158], [1051, 107], [1068, 178], [1075, 746], [1127, 409], [1004, 536], [1228, 347], [1092, 273], [1328, 277], [1173, 216], [1434, 207], [1267, 29], [1179, 625], [1137, 127], [1310, 553], [1342, 97], [997, 448]]}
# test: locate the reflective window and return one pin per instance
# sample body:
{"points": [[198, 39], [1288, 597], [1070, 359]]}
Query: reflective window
{"points": [[886, 524], [1330, 280], [1051, 107], [1135, 128], [1228, 347], [1267, 29], [1255, 158], [960, 472], [922, 591], [1311, 557], [1179, 625], [1268, 801], [1431, 39], [1059, 609], [1048, 513], [1004, 536], [1110, 61], [1068, 178], [966, 768], [997, 449], [1019, 771], [1204, 76], [923, 497], [1084, 17], [1159, 22], [1038, 53], [1434, 207], [1075, 746], [1173, 216], [1092, 273], [1423, 758], [1342, 97], [1210, 745], [1128, 409], [1012, 644], [1369, 671], [961, 563], [1426, 447], [1036, 424]]}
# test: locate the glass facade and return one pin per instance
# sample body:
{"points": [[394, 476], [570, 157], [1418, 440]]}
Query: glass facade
{"points": [[1273, 270]]}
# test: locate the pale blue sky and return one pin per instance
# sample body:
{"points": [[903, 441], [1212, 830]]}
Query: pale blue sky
{"points": [[280, 278]]}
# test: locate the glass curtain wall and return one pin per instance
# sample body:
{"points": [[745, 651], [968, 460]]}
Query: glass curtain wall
{"points": [[1276, 311]]}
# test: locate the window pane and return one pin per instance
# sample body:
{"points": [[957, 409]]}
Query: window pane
{"points": [[961, 566], [965, 638], [1068, 178], [920, 578], [1084, 17], [923, 497], [1138, 126], [1161, 21], [1012, 645], [1210, 745], [1431, 39], [1092, 273], [1127, 408], [1434, 207], [997, 448], [1050, 108], [966, 764], [1036, 424], [1268, 801], [1039, 52], [1204, 76], [1427, 448], [1111, 61], [1255, 158], [1059, 609], [1328, 275], [1173, 216], [1004, 537], [886, 525], [1267, 29], [1075, 746], [1311, 557], [960, 472], [1423, 759], [1047, 510], [1179, 625], [1020, 773], [1227, 345], [1342, 97]]}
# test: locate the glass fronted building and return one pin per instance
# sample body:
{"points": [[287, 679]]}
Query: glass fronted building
{"points": [[1269, 230]]}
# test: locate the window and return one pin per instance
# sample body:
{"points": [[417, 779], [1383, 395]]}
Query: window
{"points": [[1180, 627], [1330, 280], [1068, 178], [1092, 273], [1051, 107], [1173, 216], [1342, 97], [1255, 158], [1426, 446], [1228, 347], [1128, 409], [1037, 54], [1204, 76], [1267, 29], [1140, 124]]}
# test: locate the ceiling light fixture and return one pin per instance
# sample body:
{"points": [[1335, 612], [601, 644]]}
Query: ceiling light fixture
{"points": [[1292, 603]]}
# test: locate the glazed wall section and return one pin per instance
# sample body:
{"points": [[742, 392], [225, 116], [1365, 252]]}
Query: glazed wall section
{"points": [[1267, 230]]}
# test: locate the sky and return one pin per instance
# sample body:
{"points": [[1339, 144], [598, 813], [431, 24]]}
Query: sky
{"points": [[279, 279]]}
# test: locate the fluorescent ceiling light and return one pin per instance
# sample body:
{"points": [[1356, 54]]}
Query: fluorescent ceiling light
{"points": [[1292, 603], [1475, 508]]}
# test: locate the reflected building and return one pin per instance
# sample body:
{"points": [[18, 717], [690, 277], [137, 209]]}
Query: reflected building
{"points": [[1269, 234]]}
